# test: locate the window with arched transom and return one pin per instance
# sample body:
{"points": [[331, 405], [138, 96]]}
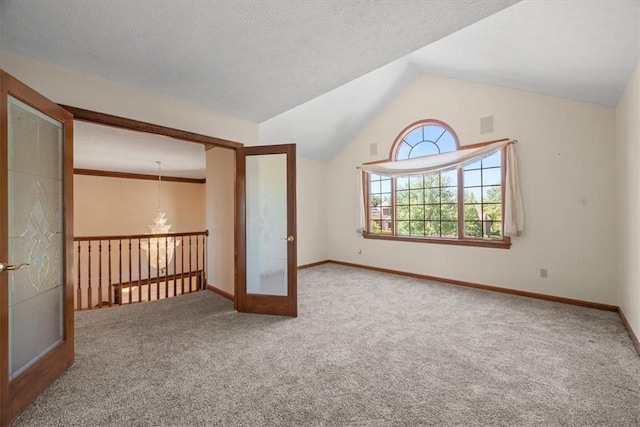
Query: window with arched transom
{"points": [[461, 205]]}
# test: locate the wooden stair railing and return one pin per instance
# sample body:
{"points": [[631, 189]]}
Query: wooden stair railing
{"points": [[116, 270]]}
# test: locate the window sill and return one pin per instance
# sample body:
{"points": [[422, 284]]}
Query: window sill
{"points": [[497, 244]]}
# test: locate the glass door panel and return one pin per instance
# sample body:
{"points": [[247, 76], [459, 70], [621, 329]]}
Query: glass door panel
{"points": [[36, 234], [266, 178]]}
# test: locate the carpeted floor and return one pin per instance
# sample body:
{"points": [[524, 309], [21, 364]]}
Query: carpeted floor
{"points": [[367, 349]]}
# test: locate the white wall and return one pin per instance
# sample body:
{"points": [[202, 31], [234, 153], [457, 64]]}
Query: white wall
{"points": [[312, 210], [220, 201], [567, 172], [628, 142]]}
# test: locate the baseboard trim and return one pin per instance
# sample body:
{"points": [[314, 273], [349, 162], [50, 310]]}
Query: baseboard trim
{"points": [[313, 264], [545, 297], [220, 292], [632, 335]]}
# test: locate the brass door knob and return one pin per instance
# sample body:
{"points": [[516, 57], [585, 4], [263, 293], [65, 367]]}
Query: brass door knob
{"points": [[288, 239], [5, 267]]}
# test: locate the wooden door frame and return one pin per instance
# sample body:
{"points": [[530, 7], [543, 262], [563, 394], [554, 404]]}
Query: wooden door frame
{"points": [[266, 304], [32, 382], [209, 142]]}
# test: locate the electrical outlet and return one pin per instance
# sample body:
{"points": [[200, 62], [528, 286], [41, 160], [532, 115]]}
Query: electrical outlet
{"points": [[543, 272]]}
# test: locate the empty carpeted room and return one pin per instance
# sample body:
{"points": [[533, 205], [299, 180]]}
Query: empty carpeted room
{"points": [[320, 213]]}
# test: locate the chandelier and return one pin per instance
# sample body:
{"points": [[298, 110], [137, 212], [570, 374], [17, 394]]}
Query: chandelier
{"points": [[160, 249]]}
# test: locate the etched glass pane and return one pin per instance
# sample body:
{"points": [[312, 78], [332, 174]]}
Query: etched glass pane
{"points": [[266, 180], [35, 235]]}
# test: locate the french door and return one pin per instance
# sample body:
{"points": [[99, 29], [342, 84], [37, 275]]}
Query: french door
{"points": [[266, 247], [36, 238]]}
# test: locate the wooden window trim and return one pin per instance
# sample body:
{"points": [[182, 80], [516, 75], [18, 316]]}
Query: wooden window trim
{"points": [[461, 240], [484, 243]]}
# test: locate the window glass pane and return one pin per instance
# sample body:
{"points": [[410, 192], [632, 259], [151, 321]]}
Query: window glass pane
{"points": [[414, 137], [403, 151], [449, 178], [416, 213], [492, 211], [416, 228], [449, 195], [473, 195], [449, 212], [474, 165], [472, 178], [447, 143], [473, 228], [496, 230], [402, 228], [449, 229], [375, 187], [432, 195], [492, 194], [432, 229], [386, 186], [402, 182], [402, 212], [432, 180], [486, 228], [416, 197], [416, 181], [424, 149], [494, 160], [472, 212], [491, 176], [433, 133], [432, 212]]}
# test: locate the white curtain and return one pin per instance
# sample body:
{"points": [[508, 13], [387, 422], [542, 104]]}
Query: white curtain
{"points": [[513, 211], [514, 216], [435, 163]]}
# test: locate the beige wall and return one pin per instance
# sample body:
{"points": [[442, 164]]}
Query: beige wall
{"points": [[628, 142], [111, 206], [220, 202], [312, 209], [77, 89], [567, 172]]}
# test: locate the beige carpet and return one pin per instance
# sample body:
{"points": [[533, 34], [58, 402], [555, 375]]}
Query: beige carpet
{"points": [[367, 349]]}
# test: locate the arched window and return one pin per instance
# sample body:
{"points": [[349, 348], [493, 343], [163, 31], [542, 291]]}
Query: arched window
{"points": [[460, 205], [424, 139]]}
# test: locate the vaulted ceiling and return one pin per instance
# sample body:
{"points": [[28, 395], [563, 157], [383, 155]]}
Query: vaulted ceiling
{"points": [[290, 65]]}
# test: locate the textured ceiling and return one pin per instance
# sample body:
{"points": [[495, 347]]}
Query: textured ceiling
{"points": [[582, 50], [315, 72], [250, 59], [135, 152]]}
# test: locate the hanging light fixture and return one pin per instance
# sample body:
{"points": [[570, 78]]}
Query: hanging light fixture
{"points": [[160, 249]]}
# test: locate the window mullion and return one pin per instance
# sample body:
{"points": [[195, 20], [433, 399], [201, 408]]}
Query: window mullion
{"points": [[393, 204], [503, 172], [460, 203], [366, 188]]}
